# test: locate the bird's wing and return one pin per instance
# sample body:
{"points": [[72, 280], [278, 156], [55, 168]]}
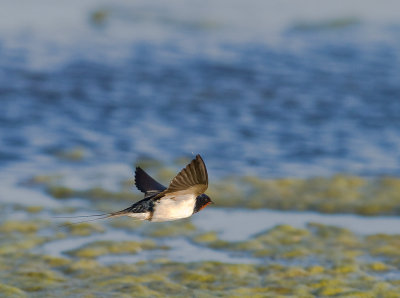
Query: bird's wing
{"points": [[147, 184], [193, 179]]}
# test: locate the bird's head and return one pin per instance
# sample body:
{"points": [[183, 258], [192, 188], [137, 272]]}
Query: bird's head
{"points": [[202, 201]]}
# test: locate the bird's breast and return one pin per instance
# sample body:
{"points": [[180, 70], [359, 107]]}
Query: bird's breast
{"points": [[174, 207]]}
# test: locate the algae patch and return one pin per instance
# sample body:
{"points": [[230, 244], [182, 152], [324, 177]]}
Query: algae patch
{"points": [[316, 261], [83, 229], [336, 194], [23, 227], [100, 248], [10, 291]]}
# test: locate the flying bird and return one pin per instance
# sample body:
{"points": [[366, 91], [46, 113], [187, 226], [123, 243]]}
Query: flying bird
{"points": [[182, 198]]}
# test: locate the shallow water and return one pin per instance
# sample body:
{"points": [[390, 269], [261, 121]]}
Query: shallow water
{"points": [[89, 89], [239, 224], [230, 225]]}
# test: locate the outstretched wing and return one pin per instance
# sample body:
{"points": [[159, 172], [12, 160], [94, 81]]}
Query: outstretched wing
{"points": [[147, 184], [193, 179]]}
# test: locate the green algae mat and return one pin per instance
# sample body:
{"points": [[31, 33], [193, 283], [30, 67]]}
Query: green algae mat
{"points": [[337, 194], [318, 260], [41, 256]]}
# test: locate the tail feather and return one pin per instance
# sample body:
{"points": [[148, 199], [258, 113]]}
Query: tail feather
{"points": [[80, 216], [82, 221], [98, 216]]}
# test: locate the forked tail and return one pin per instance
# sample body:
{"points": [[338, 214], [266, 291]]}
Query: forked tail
{"points": [[97, 217]]}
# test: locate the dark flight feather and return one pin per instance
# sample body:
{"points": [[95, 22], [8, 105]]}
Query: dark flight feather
{"points": [[147, 184]]}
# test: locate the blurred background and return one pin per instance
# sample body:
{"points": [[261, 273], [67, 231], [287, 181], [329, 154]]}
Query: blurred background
{"points": [[261, 88], [293, 106]]}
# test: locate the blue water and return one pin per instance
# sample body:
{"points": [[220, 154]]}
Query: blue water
{"points": [[262, 95]]}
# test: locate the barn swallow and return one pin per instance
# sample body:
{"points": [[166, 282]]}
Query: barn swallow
{"points": [[183, 197]]}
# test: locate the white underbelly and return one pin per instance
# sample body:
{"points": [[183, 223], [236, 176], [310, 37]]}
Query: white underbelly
{"points": [[172, 208], [140, 216]]}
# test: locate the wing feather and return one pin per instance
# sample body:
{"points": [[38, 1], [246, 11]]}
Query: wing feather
{"points": [[193, 178], [146, 184]]}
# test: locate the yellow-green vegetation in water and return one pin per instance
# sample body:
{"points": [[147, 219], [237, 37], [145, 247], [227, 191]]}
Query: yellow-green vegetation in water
{"points": [[95, 193], [100, 16], [53, 185], [17, 237], [337, 247], [10, 291], [386, 246], [206, 237], [42, 275], [339, 23], [336, 194], [23, 227], [282, 242], [74, 154], [83, 229], [100, 248]]}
